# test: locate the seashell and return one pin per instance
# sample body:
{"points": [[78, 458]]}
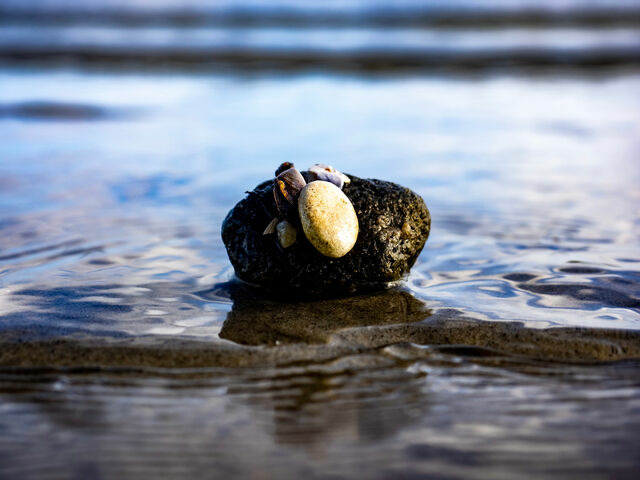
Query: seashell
{"points": [[271, 228], [283, 166], [289, 183], [327, 173], [286, 188], [287, 234], [328, 219]]}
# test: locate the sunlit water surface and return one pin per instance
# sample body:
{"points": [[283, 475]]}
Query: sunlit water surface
{"points": [[127, 350]]}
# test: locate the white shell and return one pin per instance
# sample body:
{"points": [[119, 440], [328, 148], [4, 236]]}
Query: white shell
{"points": [[320, 171], [328, 219], [287, 234]]}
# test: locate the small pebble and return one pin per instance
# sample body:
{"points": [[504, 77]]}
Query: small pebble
{"points": [[328, 219], [287, 234]]}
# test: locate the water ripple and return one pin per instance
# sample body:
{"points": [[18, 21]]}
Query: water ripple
{"points": [[128, 350]]}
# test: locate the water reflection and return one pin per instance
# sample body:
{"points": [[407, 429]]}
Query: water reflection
{"points": [[409, 408], [256, 320], [171, 325]]}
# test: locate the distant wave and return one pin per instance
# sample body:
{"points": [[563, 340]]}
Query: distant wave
{"points": [[441, 17], [361, 61], [349, 36]]}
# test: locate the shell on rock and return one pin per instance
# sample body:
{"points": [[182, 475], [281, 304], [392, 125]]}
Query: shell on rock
{"points": [[287, 234], [286, 188], [284, 166], [328, 218], [327, 173]]}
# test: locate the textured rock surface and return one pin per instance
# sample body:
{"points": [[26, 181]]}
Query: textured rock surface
{"points": [[394, 226]]}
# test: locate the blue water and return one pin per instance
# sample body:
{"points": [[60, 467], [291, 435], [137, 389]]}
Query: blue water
{"points": [[127, 132]]}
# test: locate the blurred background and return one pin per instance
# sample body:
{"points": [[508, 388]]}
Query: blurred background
{"points": [[128, 129]]}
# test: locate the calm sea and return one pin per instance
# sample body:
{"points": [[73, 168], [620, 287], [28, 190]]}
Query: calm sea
{"points": [[129, 129]]}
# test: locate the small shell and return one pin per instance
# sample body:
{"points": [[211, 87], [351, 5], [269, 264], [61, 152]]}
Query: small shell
{"points": [[328, 219], [289, 183], [271, 228], [327, 173], [287, 234]]}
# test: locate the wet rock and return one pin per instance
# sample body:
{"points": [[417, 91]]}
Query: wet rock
{"points": [[393, 223]]}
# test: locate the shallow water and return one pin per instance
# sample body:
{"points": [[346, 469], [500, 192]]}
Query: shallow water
{"points": [[128, 350]]}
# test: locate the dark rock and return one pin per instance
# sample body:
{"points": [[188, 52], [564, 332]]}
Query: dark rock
{"points": [[394, 226]]}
